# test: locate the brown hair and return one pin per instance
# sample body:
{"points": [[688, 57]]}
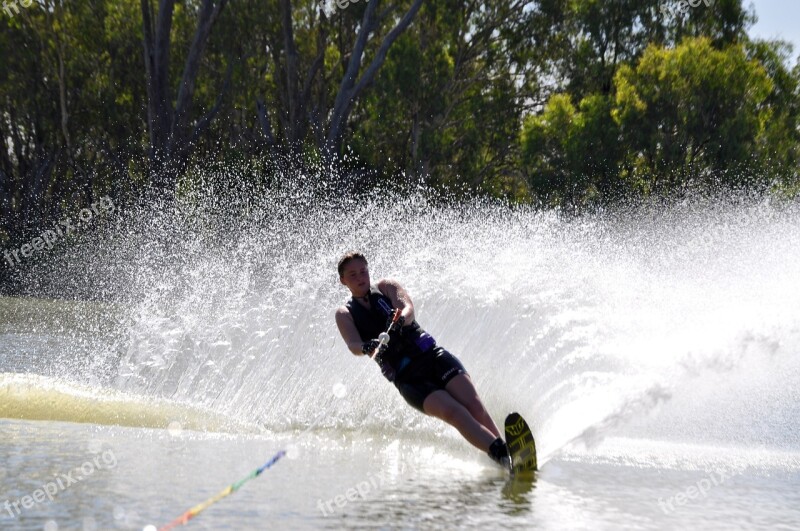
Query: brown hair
{"points": [[344, 260]]}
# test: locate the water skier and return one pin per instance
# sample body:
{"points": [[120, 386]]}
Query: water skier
{"points": [[428, 377]]}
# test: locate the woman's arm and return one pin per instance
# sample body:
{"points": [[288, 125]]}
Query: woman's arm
{"points": [[399, 297], [347, 327]]}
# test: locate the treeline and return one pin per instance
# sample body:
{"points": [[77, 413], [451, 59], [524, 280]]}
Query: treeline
{"points": [[560, 102]]}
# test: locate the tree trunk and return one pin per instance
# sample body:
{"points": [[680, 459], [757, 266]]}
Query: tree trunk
{"points": [[170, 130], [297, 101], [349, 89]]}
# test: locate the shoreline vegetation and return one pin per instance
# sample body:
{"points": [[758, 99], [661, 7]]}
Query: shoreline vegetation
{"points": [[571, 106]]}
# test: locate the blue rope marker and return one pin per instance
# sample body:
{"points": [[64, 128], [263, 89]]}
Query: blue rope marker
{"points": [[194, 511]]}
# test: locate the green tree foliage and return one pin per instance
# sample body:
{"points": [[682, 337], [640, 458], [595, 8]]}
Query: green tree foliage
{"points": [[724, 22], [779, 140], [566, 102], [691, 113], [448, 103], [710, 112], [572, 153], [71, 96]]}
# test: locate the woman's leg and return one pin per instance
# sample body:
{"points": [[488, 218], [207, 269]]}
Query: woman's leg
{"points": [[441, 404], [462, 389]]}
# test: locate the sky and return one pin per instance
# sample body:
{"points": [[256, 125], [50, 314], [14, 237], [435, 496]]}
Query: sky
{"points": [[777, 19]]}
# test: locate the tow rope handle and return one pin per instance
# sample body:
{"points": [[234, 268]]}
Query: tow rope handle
{"points": [[383, 338]]}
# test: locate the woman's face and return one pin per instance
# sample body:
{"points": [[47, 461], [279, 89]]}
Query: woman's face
{"points": [[356, 277]]}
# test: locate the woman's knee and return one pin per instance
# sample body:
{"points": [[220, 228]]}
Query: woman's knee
{"points": [[466, 394], [477, 411]]}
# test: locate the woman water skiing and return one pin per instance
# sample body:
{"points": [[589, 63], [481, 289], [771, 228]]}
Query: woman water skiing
{"points": [[428, 377]]}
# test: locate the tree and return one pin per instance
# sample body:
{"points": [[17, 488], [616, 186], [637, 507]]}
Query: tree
{"points": [[294, 94], [693, 113], [170, 126], [779, 140], [570, 154], [447, 105], [70, 95]]}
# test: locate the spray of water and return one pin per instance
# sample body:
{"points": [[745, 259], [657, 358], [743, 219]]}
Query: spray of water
{"points": [[678, 322]]}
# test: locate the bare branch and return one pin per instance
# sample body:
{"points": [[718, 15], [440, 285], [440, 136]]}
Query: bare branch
{"points": [[209, 13], [348, 89]]}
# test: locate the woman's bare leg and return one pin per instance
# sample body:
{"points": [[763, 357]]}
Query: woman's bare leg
{"points": [[441, 404], [462, 389]]}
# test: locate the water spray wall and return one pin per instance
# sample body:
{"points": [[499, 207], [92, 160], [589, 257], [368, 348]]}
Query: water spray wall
{"points": [[679, 323]]}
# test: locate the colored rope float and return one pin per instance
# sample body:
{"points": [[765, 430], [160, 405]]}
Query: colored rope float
{"points": [[197, 509]]}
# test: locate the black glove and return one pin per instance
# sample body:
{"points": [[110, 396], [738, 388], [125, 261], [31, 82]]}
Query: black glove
{"points": [[369, 347], [395, 326]]}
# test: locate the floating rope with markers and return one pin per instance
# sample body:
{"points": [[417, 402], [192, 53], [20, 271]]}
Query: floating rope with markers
{"points": [[194, 511]]}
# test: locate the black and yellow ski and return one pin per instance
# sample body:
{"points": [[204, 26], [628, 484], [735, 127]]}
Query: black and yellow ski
{"points": [[521, 445]]}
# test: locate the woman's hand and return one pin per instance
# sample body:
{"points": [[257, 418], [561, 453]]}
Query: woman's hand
{"points": [[370, 346], [395, 326]]}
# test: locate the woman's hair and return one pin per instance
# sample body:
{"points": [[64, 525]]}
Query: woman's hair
{"points": [[344, 260]]}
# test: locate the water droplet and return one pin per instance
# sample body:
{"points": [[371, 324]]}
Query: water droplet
{"points": [[175, 428], [51, 525], [339, 390]]}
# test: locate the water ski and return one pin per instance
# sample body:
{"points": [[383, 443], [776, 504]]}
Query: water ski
{"points": [[521, 444]]}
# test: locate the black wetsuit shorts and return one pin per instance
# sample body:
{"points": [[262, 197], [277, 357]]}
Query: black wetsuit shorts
{"points": [[427, 374]]}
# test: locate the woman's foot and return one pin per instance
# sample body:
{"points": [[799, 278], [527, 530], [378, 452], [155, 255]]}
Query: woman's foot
{"points": [[499, 453]]}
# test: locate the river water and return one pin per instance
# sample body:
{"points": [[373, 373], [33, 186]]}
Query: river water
{"points": [[653, 351]]}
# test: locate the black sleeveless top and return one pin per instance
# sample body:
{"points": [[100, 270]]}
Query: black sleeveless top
{"points": [[402, 348]]}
